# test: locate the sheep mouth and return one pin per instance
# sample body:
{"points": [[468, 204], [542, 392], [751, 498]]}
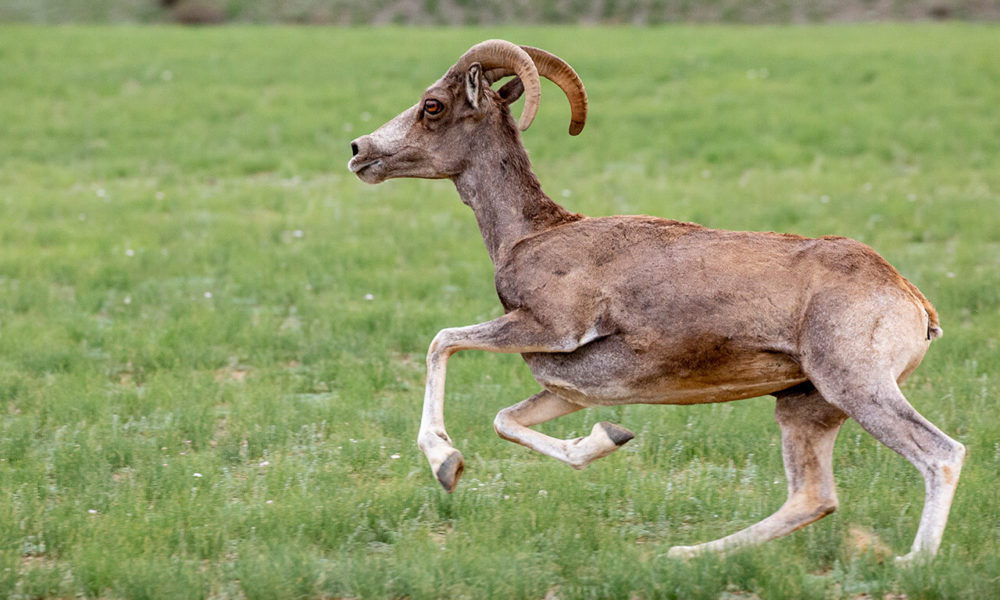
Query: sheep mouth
{"points": [[358, 166], [367, 170]]}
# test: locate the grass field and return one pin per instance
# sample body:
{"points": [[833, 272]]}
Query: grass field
{"points": [[212, 335]]}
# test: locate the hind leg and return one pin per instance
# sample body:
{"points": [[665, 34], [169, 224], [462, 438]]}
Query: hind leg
{"points": [[513, 424], [855, 347], [809, 427], [882, 410]]}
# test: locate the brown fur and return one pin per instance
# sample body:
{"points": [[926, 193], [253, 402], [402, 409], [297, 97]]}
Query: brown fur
{"points": [[638, 309]]}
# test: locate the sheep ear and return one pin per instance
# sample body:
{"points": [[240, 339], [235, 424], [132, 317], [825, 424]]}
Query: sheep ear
{"points": [[511, 91], [473, 84]]}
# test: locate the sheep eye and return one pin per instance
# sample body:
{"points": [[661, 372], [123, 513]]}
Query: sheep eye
{"points": [[433, 107]]}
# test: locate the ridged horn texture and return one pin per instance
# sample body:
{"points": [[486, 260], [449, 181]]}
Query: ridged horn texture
{"points": [[501, 54], [559, 72]]}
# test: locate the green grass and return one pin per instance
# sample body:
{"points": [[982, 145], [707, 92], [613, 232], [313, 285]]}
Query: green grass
{"points": [[212, 335]]}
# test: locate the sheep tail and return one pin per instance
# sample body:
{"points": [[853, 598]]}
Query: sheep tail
{"points": [[934, 330]]}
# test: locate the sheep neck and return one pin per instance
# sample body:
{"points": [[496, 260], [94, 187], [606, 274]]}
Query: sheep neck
{"points": [[507, 199]]}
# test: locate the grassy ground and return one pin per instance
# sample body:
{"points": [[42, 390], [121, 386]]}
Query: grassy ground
{"points": [[212, 335]]}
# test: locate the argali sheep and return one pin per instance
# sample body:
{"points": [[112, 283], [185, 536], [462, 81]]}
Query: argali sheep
{"points": [[637, 309]]}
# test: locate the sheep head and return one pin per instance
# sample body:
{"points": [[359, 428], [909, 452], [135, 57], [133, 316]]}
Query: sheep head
{"points": [[436, 137]]}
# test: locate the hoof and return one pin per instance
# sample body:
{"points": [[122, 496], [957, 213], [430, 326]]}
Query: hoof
{"points": [[912, 558], [618, 434], [682, 552], [450, 471]]}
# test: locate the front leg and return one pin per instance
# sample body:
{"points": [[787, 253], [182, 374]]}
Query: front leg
{"points": [[514, 422], [515, 332]]}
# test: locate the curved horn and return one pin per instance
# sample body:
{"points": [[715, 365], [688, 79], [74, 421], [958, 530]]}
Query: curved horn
{"points": [[559, 72], [501, 54]]}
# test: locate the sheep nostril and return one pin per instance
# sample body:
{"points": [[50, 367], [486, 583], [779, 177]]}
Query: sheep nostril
{"points": [[354, 149]]}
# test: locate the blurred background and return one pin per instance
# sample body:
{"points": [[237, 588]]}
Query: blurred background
{"points": [[492, 12]]}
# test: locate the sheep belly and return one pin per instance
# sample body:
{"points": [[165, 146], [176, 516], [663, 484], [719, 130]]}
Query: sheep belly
{"points": [[610, 372]]}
